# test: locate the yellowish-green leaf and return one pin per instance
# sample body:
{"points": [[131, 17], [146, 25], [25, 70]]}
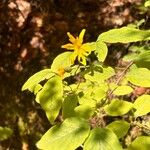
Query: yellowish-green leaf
{"points": [[38, 87], [122, 90], [140, 143], [67, 136], [32, 82], [62, 61], [147, 3], [124, 35], [69, 104], [119, 127], [118, 107], [84, 111], [139, 77], [50, 97], [5, 133], [101, 51], [100, 77], [142, 105], [102, 139]]}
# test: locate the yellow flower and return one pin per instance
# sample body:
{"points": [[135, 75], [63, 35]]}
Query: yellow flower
{"points": [[81, 51]]}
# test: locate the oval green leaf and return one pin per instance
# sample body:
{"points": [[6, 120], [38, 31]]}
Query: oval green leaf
{"points": [[32, 82], [140, 143], [102, 139], [101, 51], [122, 90], [68, 106], [139, 77], [124, 35], [63, 60], [118, 107], [119, 127], [67, 136], [142, 105], [50, 97], [84, 111]]}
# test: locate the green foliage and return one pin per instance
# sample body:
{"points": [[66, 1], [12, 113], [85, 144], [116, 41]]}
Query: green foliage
{"points": [[124, 35], [118, 107], [84, 96], [101, 50], [147, 3], [142, 105], [33, 81], [139, 77], [120, 128], [61, 61], [123, 90], [69, 135], [50, 97], [140, 143], [102, 139], [5, 133]]}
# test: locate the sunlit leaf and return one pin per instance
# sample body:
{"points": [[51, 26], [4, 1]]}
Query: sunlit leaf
{"points": [[119, 127], [101, 51], [50, 97], [147, 3], [102, 139], [32, 82], [118, 107], [67, 136], [139, 77], [84, 111], [140, 143], [142, 105], [123, 90], [5, 133], [63, 60], [100, 77], [124, 35]]}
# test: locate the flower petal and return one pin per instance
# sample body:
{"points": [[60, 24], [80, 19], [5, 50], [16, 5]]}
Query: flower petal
{"points": [[68, 46], [81, 35], [72, 39]]}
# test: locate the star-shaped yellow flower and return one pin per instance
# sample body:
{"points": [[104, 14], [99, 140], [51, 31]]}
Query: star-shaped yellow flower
{"points": [[81, 51]]}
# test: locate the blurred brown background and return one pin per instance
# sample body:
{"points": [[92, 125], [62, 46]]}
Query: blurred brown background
{"points": [[31, 34]]}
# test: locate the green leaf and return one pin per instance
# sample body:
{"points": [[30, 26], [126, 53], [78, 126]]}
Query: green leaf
{"points": [[119, 127], [142, 105], [69, 104], [143, 59], [140, 143], [32, 82], [118, 107], [67, 136], [123, 90], [63, 60], [38, 87], [102, 139], [84, 111], [147, 3], [50, 97], [124, 35], [101, 51], [100, 77], [139, 77], [98, 94], [5, 133]]}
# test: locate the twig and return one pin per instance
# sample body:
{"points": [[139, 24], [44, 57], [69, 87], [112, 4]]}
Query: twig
{"points": [[120, 78]]}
